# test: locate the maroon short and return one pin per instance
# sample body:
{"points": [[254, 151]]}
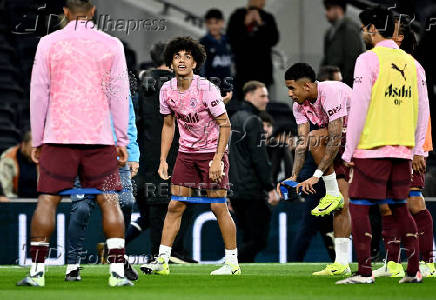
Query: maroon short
{"points": [[192, 170], [60, 164], [418, 180], [338, 164], [380, 178]]}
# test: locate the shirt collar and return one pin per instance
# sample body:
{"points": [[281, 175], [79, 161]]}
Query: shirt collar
{"points": [[388, 43]]}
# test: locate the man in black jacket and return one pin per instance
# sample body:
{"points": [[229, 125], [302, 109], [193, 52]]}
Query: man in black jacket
{"points": [[250, 172], [252, 32], [343, 41]]}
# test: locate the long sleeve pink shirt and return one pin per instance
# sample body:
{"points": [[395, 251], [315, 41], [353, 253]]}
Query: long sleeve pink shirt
{"points": [[365, 75], [79, 84]]}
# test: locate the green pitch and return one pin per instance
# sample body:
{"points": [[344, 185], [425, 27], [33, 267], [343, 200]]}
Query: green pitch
{"points": [[259, 281]]}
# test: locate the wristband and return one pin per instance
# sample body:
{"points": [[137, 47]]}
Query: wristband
{"points": [[318, 173]]}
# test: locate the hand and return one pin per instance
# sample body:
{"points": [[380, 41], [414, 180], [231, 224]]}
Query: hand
{"points": [[227, 97], [122, 156], [273, 197], [36, 152], [256, 17], [249, 17], [215, 170], [133, 166], [293, 178], [418, 164], [4, 199], [349, 164], [163, 170], [307, 186]]}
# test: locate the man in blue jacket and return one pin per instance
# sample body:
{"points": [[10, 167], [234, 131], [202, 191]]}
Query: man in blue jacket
{"points": [[82, 206]]}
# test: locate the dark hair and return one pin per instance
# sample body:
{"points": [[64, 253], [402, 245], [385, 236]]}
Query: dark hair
{"points": [[266, 117], [157, 53], [300, 70], [78, 5], [409, 42], [251, 86], [340, 3], [188, 44], [214, 14], [327, 73], [381, 18]]}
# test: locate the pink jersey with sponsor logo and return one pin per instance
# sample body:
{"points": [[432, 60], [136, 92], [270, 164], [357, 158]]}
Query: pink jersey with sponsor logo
{"points": [[333, 102], [195, 110]]}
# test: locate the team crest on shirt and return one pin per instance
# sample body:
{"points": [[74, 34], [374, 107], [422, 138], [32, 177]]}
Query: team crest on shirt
{"points": [[193, 103]]}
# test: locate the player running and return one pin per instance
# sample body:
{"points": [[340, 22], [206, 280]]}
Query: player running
{"points": [[71, 117], [202, 161], [405, 39], [387, 125], [323, 104]]}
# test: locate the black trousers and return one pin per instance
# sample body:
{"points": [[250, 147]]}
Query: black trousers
{"points": [[309, 227], [253, 218], [152, 216]]}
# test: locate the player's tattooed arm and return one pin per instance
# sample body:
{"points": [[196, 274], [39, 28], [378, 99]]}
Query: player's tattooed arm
{"points": [[334, 142], [300, 150]]}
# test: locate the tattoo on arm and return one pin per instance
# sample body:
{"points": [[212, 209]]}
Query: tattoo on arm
{"points": [[333, 144], [300, 150]]}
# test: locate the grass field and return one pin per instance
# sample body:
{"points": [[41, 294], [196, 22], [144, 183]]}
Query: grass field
{"points": [[259, 281]]}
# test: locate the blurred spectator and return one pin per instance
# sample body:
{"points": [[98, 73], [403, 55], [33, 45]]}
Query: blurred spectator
{"points": [[331, 73], [18, 173], [252, 32], [153, 193], [277, 147], [342, 42], [250, 173], [217, 66]]}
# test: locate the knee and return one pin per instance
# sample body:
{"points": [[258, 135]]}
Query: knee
{"points": [[176, 208], [416, 205], [81, 210], [219, 209]]}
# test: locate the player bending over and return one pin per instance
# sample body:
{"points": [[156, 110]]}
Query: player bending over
{"points": [[202, 161], [324, 104]]}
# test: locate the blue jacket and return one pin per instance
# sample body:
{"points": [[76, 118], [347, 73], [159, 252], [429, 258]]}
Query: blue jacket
{"points": [[132, 133]]}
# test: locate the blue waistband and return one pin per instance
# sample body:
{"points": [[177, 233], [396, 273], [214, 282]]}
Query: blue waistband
{"points": [[87, 191], [415, 194], [198, 199], [377, 202]]}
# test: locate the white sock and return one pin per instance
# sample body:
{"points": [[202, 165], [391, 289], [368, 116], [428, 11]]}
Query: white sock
{"points": [[342, 250], [116, 243], [36, 268], [331, 185], [165, 252], [72, 267], [231, 256]]}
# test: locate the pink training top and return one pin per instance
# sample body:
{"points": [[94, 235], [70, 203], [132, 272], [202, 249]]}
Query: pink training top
{"points": [[79, 83], [365, 74], [332, 103], [195, 110]]}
